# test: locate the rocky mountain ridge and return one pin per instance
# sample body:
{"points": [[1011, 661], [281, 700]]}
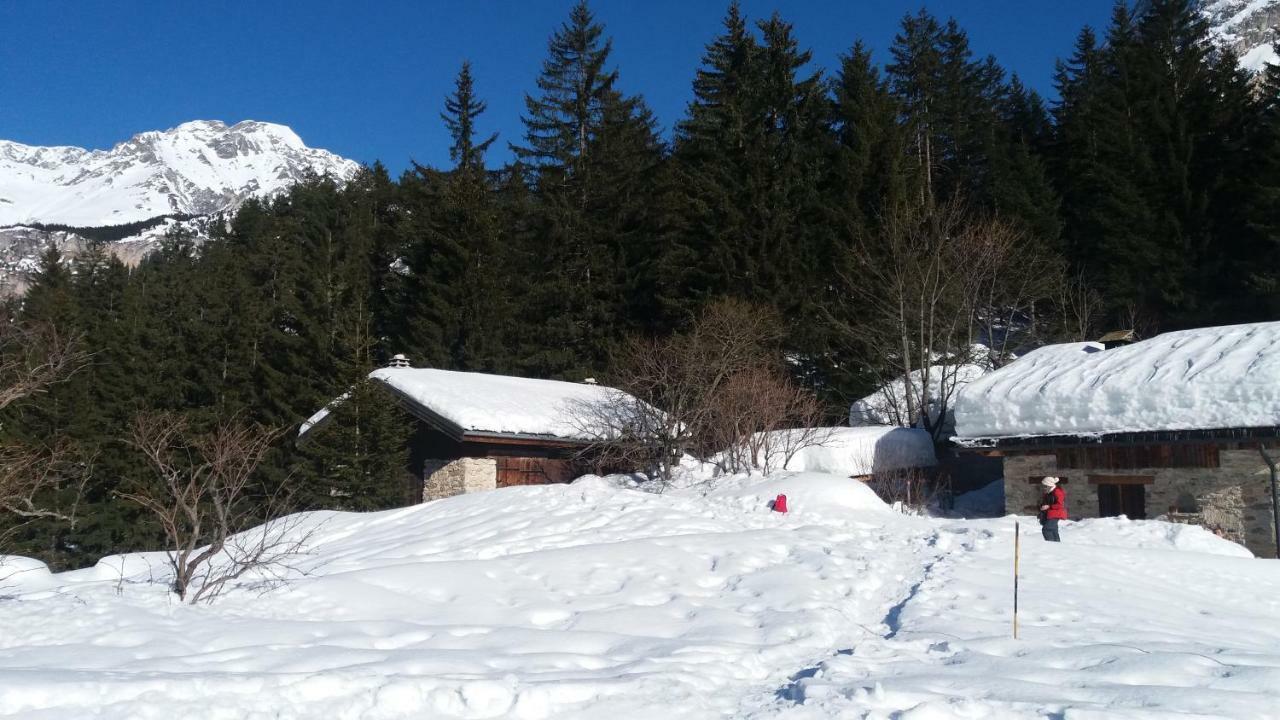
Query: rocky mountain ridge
{"points": [[185, 176], [1249, 28]]}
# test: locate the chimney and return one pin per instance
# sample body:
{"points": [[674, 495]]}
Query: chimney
{"points": [[399, 361], [1117, 338]]}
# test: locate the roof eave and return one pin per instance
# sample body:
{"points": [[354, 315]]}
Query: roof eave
{"points": [[1143, 437]]}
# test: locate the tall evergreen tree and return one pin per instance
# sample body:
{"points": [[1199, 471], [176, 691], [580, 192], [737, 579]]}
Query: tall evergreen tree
{"points": [[588, 146]]}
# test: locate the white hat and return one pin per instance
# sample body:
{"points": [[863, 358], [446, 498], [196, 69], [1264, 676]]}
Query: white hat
{"points": [[1049, 482]]}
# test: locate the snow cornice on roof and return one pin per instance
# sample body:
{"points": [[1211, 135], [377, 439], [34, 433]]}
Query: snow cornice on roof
{"points": [[1146, 437]]}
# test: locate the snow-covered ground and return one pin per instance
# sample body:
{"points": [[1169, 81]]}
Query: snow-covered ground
{"points": [[594, 601]]}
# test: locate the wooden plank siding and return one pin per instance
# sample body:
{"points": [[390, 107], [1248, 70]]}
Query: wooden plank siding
{"points": [[514, 471], [1132, 457]]}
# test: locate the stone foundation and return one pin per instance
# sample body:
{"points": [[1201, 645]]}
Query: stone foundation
{"points": [[1235, 496], [464, 475]]}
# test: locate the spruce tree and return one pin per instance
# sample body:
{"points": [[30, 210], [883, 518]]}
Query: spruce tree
{"points": [[588, 148]]}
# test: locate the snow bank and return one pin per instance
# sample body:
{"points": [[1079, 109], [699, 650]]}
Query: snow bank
{"points": [[1151, 534], [1220, 377], [856, 451], [19, 573], [986, 501], [807, 493], [478, 402]]}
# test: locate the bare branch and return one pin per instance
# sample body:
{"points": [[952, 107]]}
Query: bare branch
{"points": [[201, 495]]}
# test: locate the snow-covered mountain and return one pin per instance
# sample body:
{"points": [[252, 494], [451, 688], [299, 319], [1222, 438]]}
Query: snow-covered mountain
{"points": [[198, 168], [1248, 27], [196, 171]]}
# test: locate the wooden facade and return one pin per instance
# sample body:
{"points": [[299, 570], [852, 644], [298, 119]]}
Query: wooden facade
{"points": [[1125, 457], [517, 460]]}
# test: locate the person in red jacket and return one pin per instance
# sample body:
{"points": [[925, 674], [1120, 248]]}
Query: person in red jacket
{"points": [[1053, 507]]}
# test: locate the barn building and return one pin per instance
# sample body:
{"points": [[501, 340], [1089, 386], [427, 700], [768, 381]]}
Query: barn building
{"points": [[475, 431], [1178, 427]]}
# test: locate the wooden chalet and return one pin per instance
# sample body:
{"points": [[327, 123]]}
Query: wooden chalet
{"points": [[476, 431]]}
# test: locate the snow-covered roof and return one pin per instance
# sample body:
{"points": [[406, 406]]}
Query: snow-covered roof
{"points": [[1202, 379], [858, 451], [499, 404]]}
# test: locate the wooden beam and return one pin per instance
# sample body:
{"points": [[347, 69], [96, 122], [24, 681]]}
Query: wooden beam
{"points": [[1121, 480]]}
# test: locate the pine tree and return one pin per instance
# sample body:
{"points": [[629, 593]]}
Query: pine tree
{"points": [[482, 312], [1151, 129], [357, 459], [750, 163], [588, 148], [462, 108]]}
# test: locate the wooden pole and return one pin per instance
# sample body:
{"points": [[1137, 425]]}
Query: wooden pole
{"points": [[1017, 545], [1275, 493]]}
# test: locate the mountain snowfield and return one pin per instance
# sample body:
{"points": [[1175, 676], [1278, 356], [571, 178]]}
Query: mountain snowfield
{"points": [[198, 168], [1249, 27], [593, 600]]}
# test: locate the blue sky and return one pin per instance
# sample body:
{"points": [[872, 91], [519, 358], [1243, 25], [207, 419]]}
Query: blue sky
{"points": [[367, 79]]}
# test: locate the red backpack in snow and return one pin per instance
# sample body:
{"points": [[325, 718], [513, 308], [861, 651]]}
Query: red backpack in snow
{"points": [[780, 504]]}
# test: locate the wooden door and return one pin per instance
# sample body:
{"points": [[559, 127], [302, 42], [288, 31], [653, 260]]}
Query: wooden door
{"points": [[532, 471], [1129, 500]]}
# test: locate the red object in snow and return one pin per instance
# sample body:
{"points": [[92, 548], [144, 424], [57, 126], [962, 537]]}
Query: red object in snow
{"points": [[780, 504]]}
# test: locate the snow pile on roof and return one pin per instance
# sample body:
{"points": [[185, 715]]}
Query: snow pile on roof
{"points": [[852, 451], [477, 402], [1219, 377], [586, 601], [885, 406]]}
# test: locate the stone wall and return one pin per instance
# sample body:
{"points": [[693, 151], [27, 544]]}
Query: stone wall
{"points": [[464, 475], [1235, 496]]}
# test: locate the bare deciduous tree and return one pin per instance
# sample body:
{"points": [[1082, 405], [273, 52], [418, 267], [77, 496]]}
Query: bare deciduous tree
{"points": [[203, 498], [37, 483], [912, 489], [762, 418], [712, 389], [31, 477], [936, 282], [1080, 308], [34, 357]]}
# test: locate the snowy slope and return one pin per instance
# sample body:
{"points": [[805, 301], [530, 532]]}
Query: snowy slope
{"points": [[589, 601], [197, 168], [1218, 377], [1250, 28]]}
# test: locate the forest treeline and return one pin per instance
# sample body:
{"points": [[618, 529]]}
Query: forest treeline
{"points": [[1151, 181]]}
